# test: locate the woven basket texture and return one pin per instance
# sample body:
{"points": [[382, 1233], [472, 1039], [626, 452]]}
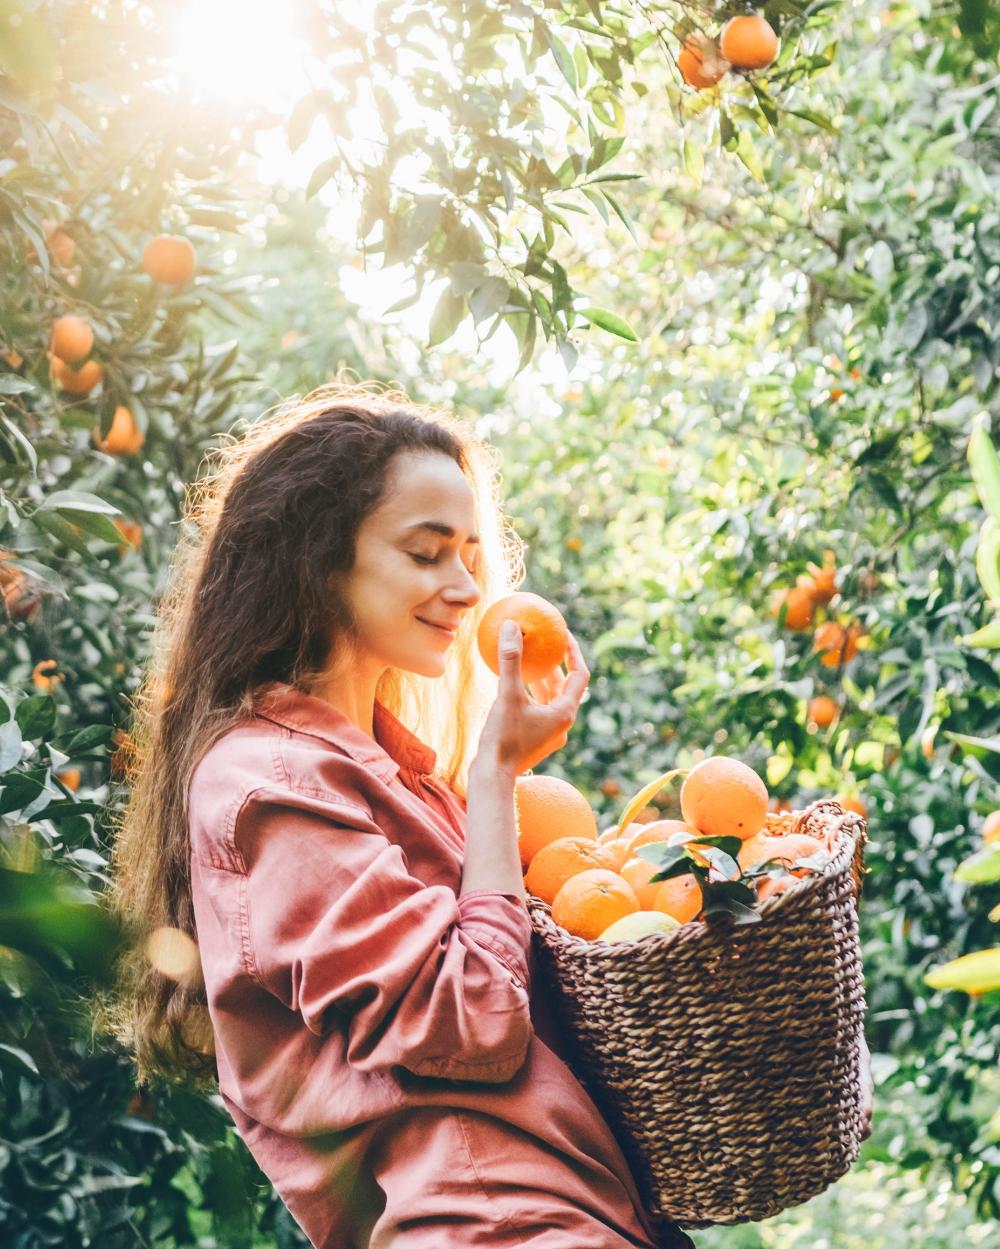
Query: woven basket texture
{"points": [[725, 1057]]}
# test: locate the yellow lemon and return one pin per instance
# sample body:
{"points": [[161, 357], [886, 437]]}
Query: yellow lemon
{"points": [[638, 924]]}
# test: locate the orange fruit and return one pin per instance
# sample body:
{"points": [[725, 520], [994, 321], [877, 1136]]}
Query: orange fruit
{"points": [[555, 863], [839, 643], [131, 531], [991, 827], [124, 436], [71, 338], [169, 258], [13, 358], [680, 896], [789, 846], [20, 602], [70, 777], [592, 901], [852, 802], [637, 872], [824, 581], [548, 808], [610, 788], [61, 246], [40, 678], [822, 710], [769, 885], [618, 850], [544, 636], [748, 42], [700, 63], [612, 833], [799, 614], [659, 830], [722, 797], [79, 381]]}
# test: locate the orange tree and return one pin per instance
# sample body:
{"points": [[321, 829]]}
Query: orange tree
{"points": [[109, 394]]}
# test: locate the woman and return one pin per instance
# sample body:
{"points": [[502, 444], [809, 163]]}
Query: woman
{"points": [[356, 893]]}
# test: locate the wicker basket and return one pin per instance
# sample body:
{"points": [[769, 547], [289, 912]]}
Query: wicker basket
{"points": [[725, 1057]]}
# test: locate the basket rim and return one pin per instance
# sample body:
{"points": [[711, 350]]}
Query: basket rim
{"points": [[852, 830]]}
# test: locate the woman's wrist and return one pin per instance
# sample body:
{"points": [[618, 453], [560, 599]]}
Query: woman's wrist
{"points": [[488, 768]]}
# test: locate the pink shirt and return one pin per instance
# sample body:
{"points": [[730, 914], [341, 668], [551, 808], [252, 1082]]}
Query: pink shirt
{"points": [[379, 1044]]}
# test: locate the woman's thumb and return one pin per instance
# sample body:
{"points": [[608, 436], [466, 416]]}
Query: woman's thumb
{"points": [[510, 644]]}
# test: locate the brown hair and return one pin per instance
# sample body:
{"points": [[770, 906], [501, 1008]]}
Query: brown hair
{"points": [[282, 508]]}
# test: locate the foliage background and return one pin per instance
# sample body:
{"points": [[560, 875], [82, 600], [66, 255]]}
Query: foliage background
{"points": [[815, 320]]}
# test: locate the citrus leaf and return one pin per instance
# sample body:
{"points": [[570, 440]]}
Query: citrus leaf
{"points": [[985, 465], [978, 972], [609, 321], [981, 868]]}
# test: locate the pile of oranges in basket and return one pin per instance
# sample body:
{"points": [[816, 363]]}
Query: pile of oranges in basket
{"points": [[632, 879]]}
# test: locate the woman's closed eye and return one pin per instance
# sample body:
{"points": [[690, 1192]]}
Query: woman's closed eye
{"points": [[425, 559]]}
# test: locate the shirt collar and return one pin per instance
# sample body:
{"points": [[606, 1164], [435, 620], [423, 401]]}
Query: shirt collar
{"points": [[393, 747]]}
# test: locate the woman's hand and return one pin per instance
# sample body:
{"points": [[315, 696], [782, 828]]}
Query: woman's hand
{"points": [[867, 1088], [525, 725]]}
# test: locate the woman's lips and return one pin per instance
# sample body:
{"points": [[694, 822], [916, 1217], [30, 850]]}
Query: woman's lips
{"points": [[440, 628]]}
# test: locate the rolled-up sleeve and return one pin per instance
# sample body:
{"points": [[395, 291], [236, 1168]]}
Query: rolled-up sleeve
{"points": [[337, 928]]}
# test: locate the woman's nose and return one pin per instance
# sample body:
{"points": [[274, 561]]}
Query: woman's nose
{"points": [[464, 588]]}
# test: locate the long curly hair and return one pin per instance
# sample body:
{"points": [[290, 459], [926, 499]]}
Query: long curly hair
{"points": [[250, 598]]}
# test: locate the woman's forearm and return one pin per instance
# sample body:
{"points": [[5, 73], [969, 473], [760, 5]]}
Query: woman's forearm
{"points": [[492, 860]]}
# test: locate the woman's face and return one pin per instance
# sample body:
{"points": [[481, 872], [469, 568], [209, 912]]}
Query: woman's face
{"points": [[408, 578]]}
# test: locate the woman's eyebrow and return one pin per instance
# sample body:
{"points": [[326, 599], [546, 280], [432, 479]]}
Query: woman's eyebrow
{"points": [[438, 526]]}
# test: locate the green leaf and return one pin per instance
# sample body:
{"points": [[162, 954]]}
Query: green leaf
{"points": [[981, 868], [988, 558], [988, 636], [36, 717], [746, 150], [321, 175], [694, 160], [11, 744], [488, 298], [17, 1059], [79, 501], [978, 972], [985, 465], [620, 213], [563, 56], [446, 317], [979, 747], [609, 321]]}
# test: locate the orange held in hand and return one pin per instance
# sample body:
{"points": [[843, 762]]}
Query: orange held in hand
{"points": [[748, 42], [724, 798], [592, 901], [545, 637], [169, 258], [548, 808]]}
